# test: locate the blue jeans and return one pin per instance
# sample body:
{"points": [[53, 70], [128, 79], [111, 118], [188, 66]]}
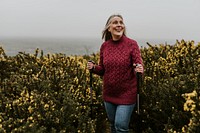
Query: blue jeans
{"points": [[119, 116]]}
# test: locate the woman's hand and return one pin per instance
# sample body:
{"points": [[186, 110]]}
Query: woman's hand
{"points": [[138, 68]]}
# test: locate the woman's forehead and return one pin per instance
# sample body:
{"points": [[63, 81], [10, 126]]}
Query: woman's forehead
{"points": [[116, 18]]}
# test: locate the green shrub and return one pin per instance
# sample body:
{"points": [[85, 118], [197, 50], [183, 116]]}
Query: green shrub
{"points": [[45, 94], [170, 71], [50, 93]]}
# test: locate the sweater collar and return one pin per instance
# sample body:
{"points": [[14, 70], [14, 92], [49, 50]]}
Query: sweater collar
{"points": [[118, 41]]}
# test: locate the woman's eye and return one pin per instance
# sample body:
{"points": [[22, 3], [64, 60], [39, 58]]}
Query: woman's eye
{"points": [[118, 22], [115, 22]]}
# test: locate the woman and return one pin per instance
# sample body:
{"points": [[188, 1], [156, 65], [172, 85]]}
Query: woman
{"points": [[118, 58]]}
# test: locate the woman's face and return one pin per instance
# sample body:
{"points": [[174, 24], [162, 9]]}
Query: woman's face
{"points": [[116, 28]]}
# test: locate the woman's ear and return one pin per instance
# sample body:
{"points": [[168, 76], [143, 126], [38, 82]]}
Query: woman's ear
{"points": [[109, 29]]}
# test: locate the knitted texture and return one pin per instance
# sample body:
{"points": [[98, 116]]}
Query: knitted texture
{"points": [[116, 67]]}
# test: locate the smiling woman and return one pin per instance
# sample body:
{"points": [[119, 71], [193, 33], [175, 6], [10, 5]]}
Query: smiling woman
{"points": [[118, 58], [116, 28], [114, 25]]}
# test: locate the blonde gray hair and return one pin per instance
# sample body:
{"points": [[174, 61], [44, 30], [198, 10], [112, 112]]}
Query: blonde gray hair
{"points": [[106, 35]]}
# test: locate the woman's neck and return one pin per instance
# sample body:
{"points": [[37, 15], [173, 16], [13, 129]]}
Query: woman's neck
{"points": [[116, 38]]}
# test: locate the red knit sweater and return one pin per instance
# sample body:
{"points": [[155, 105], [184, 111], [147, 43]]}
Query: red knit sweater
{"points": [[116, 67]]}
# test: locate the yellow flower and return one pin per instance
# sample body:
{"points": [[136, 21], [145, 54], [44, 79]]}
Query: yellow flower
{"points": [[30, 109], [183, 129], [46, 106], [192, 94]]}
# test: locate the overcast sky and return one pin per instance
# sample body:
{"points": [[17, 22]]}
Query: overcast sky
{"points": [[145, 19]]}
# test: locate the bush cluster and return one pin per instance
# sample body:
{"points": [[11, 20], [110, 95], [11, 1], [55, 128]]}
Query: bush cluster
{"points": [[46, 94], [51, 93], [170, 72]]}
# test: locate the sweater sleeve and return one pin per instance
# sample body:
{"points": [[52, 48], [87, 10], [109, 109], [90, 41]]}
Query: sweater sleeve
{"points": [[99, 69], [136, 54]]}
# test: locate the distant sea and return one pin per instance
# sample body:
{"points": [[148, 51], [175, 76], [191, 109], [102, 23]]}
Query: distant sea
{"points": [[69, 46]]}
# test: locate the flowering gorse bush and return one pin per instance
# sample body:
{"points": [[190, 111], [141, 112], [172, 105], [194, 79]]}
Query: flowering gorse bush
{"points": [[192, 105], [51, 93], [46, 94]]}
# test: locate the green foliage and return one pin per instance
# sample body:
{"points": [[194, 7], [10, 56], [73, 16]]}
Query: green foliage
{"points": [[192, 105], [50, 93], [170, 71], [45, 94]]}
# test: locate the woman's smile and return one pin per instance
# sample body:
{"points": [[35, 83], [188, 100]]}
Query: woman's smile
{"points": [[116, 28]]}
